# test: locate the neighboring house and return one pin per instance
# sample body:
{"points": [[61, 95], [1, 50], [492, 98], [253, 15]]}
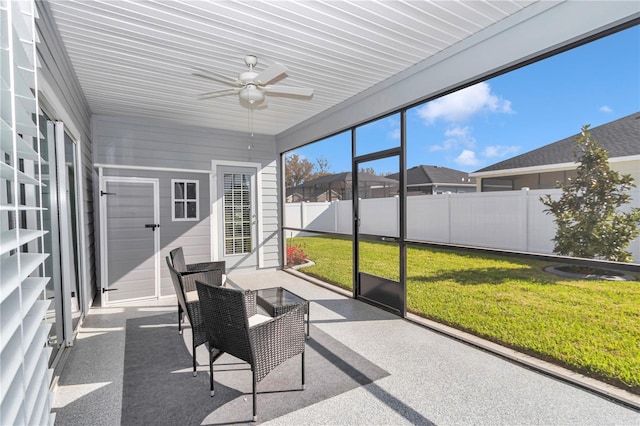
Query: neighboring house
{"points": [[295, 195], [543, 167], [437, 180], [338, 186]]}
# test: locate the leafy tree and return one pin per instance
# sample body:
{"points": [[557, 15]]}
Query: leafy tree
{"points": [[296, 170], [587, 215]]}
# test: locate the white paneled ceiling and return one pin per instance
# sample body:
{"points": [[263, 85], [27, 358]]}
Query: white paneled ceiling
{"points": [[134, 58]]}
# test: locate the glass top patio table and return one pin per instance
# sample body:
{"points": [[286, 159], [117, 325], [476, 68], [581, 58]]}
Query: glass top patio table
{"points": [[278, 300]]}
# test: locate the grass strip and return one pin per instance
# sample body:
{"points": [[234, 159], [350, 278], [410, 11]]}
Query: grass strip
{"points": [[589, 326]]}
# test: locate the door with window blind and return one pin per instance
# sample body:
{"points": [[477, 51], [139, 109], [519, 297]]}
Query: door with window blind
{"points": [[237, 215]]}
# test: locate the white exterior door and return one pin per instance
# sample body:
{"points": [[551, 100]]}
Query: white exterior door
{"points": [[131, 239], [237, 213]]}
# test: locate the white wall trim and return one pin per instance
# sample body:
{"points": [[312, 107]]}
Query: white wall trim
{"points": [[157, 169], [527, 170], [214, 205], [625, 158], [546, 167]]}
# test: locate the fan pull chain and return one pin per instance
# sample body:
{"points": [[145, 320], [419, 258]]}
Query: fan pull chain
{"points": [[251, 120]]}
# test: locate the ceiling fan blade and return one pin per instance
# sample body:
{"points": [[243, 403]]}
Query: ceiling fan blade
{"points": [[212, 75], [271, 73], [288, 90], [217, 93]]}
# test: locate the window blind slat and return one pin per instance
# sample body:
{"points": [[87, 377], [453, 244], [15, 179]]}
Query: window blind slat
{"points": [[25, 378]]}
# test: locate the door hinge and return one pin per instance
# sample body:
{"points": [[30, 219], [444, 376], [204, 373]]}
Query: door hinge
{"points": [[107, 193]]}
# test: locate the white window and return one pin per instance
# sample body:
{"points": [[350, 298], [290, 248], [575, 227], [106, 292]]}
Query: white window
{"points": [[185, 200]]}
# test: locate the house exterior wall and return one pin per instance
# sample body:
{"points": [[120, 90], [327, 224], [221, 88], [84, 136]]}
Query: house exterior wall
{"points": [[142, 144], [546, 176], [628, 166]]}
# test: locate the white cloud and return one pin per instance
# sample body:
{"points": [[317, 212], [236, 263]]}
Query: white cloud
{"points": [[393, 121], [447, 145], [455, 138], [466, 158], [394, 134], [606, 109], [463, 104], [499, 151], [462, 135]]}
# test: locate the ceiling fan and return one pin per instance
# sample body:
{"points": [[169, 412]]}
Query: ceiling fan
{"points": [[252, 86]]}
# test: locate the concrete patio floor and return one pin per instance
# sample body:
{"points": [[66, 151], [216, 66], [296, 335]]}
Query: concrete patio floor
{"points": [[433, 379]]}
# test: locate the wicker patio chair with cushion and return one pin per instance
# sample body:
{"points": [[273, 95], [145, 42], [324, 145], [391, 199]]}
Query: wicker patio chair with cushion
{"points": [[262, 341], [185, 287]]}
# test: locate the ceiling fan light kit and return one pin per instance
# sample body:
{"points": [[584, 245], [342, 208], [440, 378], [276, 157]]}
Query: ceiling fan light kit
{"points": [[252, 86], [251, 94]]}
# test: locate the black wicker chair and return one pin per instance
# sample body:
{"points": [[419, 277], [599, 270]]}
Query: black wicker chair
{"points": [[177, 260], [259, 340], [185, 288]]}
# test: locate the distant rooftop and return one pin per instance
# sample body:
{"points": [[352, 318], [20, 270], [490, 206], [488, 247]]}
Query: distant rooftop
{"points": [[424, 174], [621, 138]]}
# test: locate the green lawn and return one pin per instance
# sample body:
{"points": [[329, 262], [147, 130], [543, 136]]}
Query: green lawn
{"points": [[592, 327]]}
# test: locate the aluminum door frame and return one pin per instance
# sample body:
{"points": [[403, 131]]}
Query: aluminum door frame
{"points": [[104, 276], [65, 219], [401, 291], [61, 325]]}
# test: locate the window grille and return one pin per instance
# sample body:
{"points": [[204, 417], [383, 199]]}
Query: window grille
{"points": [[185, 199]]}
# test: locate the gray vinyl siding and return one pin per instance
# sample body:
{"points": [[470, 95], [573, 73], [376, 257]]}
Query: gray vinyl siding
{"points": [[141, 142], [160, 143], [56, 71]]}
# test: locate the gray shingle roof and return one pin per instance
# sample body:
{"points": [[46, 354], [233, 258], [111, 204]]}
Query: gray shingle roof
{"points": [[435, 174], [620, 138]]}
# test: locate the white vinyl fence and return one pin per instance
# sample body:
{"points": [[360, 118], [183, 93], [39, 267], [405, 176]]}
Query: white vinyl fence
{"points": [[508, 220]]}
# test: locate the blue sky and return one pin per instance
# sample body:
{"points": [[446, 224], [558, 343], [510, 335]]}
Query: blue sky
{"points": [[510, 114]]}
